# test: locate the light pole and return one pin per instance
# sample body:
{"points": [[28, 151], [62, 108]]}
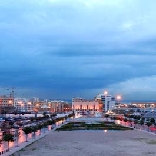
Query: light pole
{"points": [[10, 104], [105, 94], [118, 97]]}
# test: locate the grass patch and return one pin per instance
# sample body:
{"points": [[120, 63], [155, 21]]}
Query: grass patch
{"points": [[33, 149], [92, 126], [22, 149], [152, 142], [139, 139]]}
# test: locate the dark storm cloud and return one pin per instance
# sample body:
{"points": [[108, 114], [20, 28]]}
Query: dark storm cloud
{"points": [[61, 49]]}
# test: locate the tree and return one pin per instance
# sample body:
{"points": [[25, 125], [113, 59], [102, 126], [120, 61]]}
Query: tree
{"points": [[53, 115], [135, 122], [27, 130], [125, 120], [107, 116], [142, 122], [8, 137], [66, 117], [40, 126], [49, 122], [130, 121], [152, 120], [45, 125], [44, 114], [148, 124], [143, 118], [34, 129]]}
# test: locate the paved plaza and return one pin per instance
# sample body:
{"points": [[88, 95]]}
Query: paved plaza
{"points": [[95, 143]]}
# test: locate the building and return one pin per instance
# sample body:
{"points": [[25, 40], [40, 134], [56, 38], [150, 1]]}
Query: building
{"points": [[144, 104], [108, 101], [6, 101], [150, 115], [6, 104], [83, 105], [53, 106], [23, 105]]}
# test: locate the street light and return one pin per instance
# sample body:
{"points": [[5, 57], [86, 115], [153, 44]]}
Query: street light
{"points": [[118, 97], [105, 92]]}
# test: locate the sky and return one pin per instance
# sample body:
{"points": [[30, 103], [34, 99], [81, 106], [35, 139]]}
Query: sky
{"points": [[60, 49]]}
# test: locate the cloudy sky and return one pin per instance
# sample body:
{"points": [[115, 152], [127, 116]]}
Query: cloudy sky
{"points": [[66, 48]]}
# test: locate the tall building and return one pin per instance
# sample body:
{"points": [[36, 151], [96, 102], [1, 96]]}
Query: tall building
{"points": [[108, 101]]}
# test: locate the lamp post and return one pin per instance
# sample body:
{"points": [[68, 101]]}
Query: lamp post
{"points": [[105, 93], [105, 102], [10, 103], [118, 99]]}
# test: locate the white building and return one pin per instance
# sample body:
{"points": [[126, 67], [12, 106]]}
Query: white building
{"points": [[83, 105], [108, 101], [23, 105]]}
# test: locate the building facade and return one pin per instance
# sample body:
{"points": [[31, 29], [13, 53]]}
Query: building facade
{"points": [[23, 105], [53, 106], [108, 101], [6, 104], [83, 105]]}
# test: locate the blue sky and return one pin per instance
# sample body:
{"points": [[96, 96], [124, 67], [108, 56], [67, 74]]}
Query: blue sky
{"points": [[78, 48]]}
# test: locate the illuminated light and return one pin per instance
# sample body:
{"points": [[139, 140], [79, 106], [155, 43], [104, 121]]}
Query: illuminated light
{"points": [[118, 97], [105, 92], [105, 130], [29, 103], [10, 101]]}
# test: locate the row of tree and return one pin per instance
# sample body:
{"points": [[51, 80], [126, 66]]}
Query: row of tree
{"points": [[8, 137], [135, 119]]}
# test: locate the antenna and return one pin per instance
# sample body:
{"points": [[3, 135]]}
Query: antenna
{"points": [[13, 94]]}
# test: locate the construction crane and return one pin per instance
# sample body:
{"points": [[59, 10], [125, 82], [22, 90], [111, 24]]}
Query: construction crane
{"points": [[11, 89]]}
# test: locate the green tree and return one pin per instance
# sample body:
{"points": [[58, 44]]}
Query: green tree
{"points": [[148, 124], [45, 125], [125, 120], [40, 126], [142, 122], [135, 122], [66, 117], [27, 130], [8, 137], [44, 113], [130, 121], [152, 120], [107, 116], [34, 129], [49, 122]]}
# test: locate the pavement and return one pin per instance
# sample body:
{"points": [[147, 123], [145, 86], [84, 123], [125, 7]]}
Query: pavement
{"points": [[30, 141], [24, 144]]}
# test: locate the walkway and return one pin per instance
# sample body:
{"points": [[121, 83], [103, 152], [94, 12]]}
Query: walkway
{"points": [[30, 141]]}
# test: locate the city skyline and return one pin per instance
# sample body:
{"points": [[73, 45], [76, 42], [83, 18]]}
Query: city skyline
{"points": [[62, 49]]}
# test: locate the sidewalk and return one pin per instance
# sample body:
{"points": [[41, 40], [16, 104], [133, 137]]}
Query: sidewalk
{"points": [[24, 144]]}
